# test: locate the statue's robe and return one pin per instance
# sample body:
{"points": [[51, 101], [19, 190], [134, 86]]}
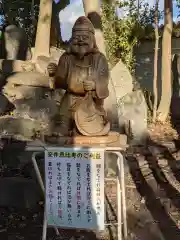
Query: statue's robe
{"points": [[70, 75]]}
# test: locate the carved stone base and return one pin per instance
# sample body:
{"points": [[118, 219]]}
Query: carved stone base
{"points": [[113, 139]]}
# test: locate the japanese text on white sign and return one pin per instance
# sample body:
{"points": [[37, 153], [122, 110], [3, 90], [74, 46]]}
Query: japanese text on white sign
{"points": [[75, 187]]}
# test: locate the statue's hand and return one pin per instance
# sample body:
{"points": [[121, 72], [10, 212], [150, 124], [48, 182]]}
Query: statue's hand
{"points": [[52, 68], [89, 85]]}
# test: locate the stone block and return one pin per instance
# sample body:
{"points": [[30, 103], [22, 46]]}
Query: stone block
{"points": [[120, 83], [42, 110], [122, 80], [29, 79], [132, 113], [24, 92], [20, 127]]}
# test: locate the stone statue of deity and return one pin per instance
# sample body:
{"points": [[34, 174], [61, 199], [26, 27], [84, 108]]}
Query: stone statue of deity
{"points": [[83, 72]]}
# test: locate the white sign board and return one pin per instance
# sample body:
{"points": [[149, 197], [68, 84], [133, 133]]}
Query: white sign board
{"points": [[75, 187]]}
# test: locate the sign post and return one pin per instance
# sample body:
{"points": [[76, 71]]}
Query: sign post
{"points": [[74, 191], [75, 187]]}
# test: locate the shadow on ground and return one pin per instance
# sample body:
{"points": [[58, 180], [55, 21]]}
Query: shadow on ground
{"points": [[28, 225], [160, 214]]}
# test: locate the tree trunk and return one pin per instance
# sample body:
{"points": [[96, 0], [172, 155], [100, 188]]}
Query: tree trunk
{"points": [[42, 43], [155, 86], [166, 93], [53, 35], [93, 12]]}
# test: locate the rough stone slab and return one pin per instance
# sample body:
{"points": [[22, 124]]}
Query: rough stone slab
{"points": [[25, 92], [110, 105], [29, 79], [122, 79], [42, 63], [13, 93], [16, 42], [55, 53], [20, 127], [120, 83], [9, 66], [43, 110], [132, 112]]}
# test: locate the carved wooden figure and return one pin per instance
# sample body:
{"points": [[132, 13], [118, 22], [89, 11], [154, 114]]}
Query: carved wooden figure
{"points": [[83, 72]]}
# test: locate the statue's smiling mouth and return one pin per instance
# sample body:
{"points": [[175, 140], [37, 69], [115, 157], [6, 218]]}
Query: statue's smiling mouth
{"points": [[82, 44]]}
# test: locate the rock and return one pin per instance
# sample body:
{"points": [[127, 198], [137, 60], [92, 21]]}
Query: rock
{"points": [[19, 192], [25, 92], [57, 95], [119, 85], [5, 105], [122, 80], [29, 79], [42, 63], [43, 110], [55, 54], [110, 106], [132, 113], [20, 128], [15, 92], [11, 66], [16, 43]]}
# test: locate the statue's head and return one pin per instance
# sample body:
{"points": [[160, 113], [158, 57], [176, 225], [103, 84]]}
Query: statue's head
{"points": [[83, 39]]}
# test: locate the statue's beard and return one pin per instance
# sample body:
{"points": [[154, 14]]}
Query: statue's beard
{"points": [[80, 49]]}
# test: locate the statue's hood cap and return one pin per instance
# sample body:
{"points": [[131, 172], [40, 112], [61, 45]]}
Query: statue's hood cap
{"points": [[83, 24]]}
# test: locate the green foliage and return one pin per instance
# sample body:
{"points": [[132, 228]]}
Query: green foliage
{"points": [[178, 3], [178, 6], [23, 13], [122, 35]]}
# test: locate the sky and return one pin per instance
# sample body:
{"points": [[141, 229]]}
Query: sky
{"points": [[69, 15], [161, 6]]}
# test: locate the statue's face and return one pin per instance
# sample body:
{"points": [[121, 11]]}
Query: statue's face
{"points": [[82, 43]]}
